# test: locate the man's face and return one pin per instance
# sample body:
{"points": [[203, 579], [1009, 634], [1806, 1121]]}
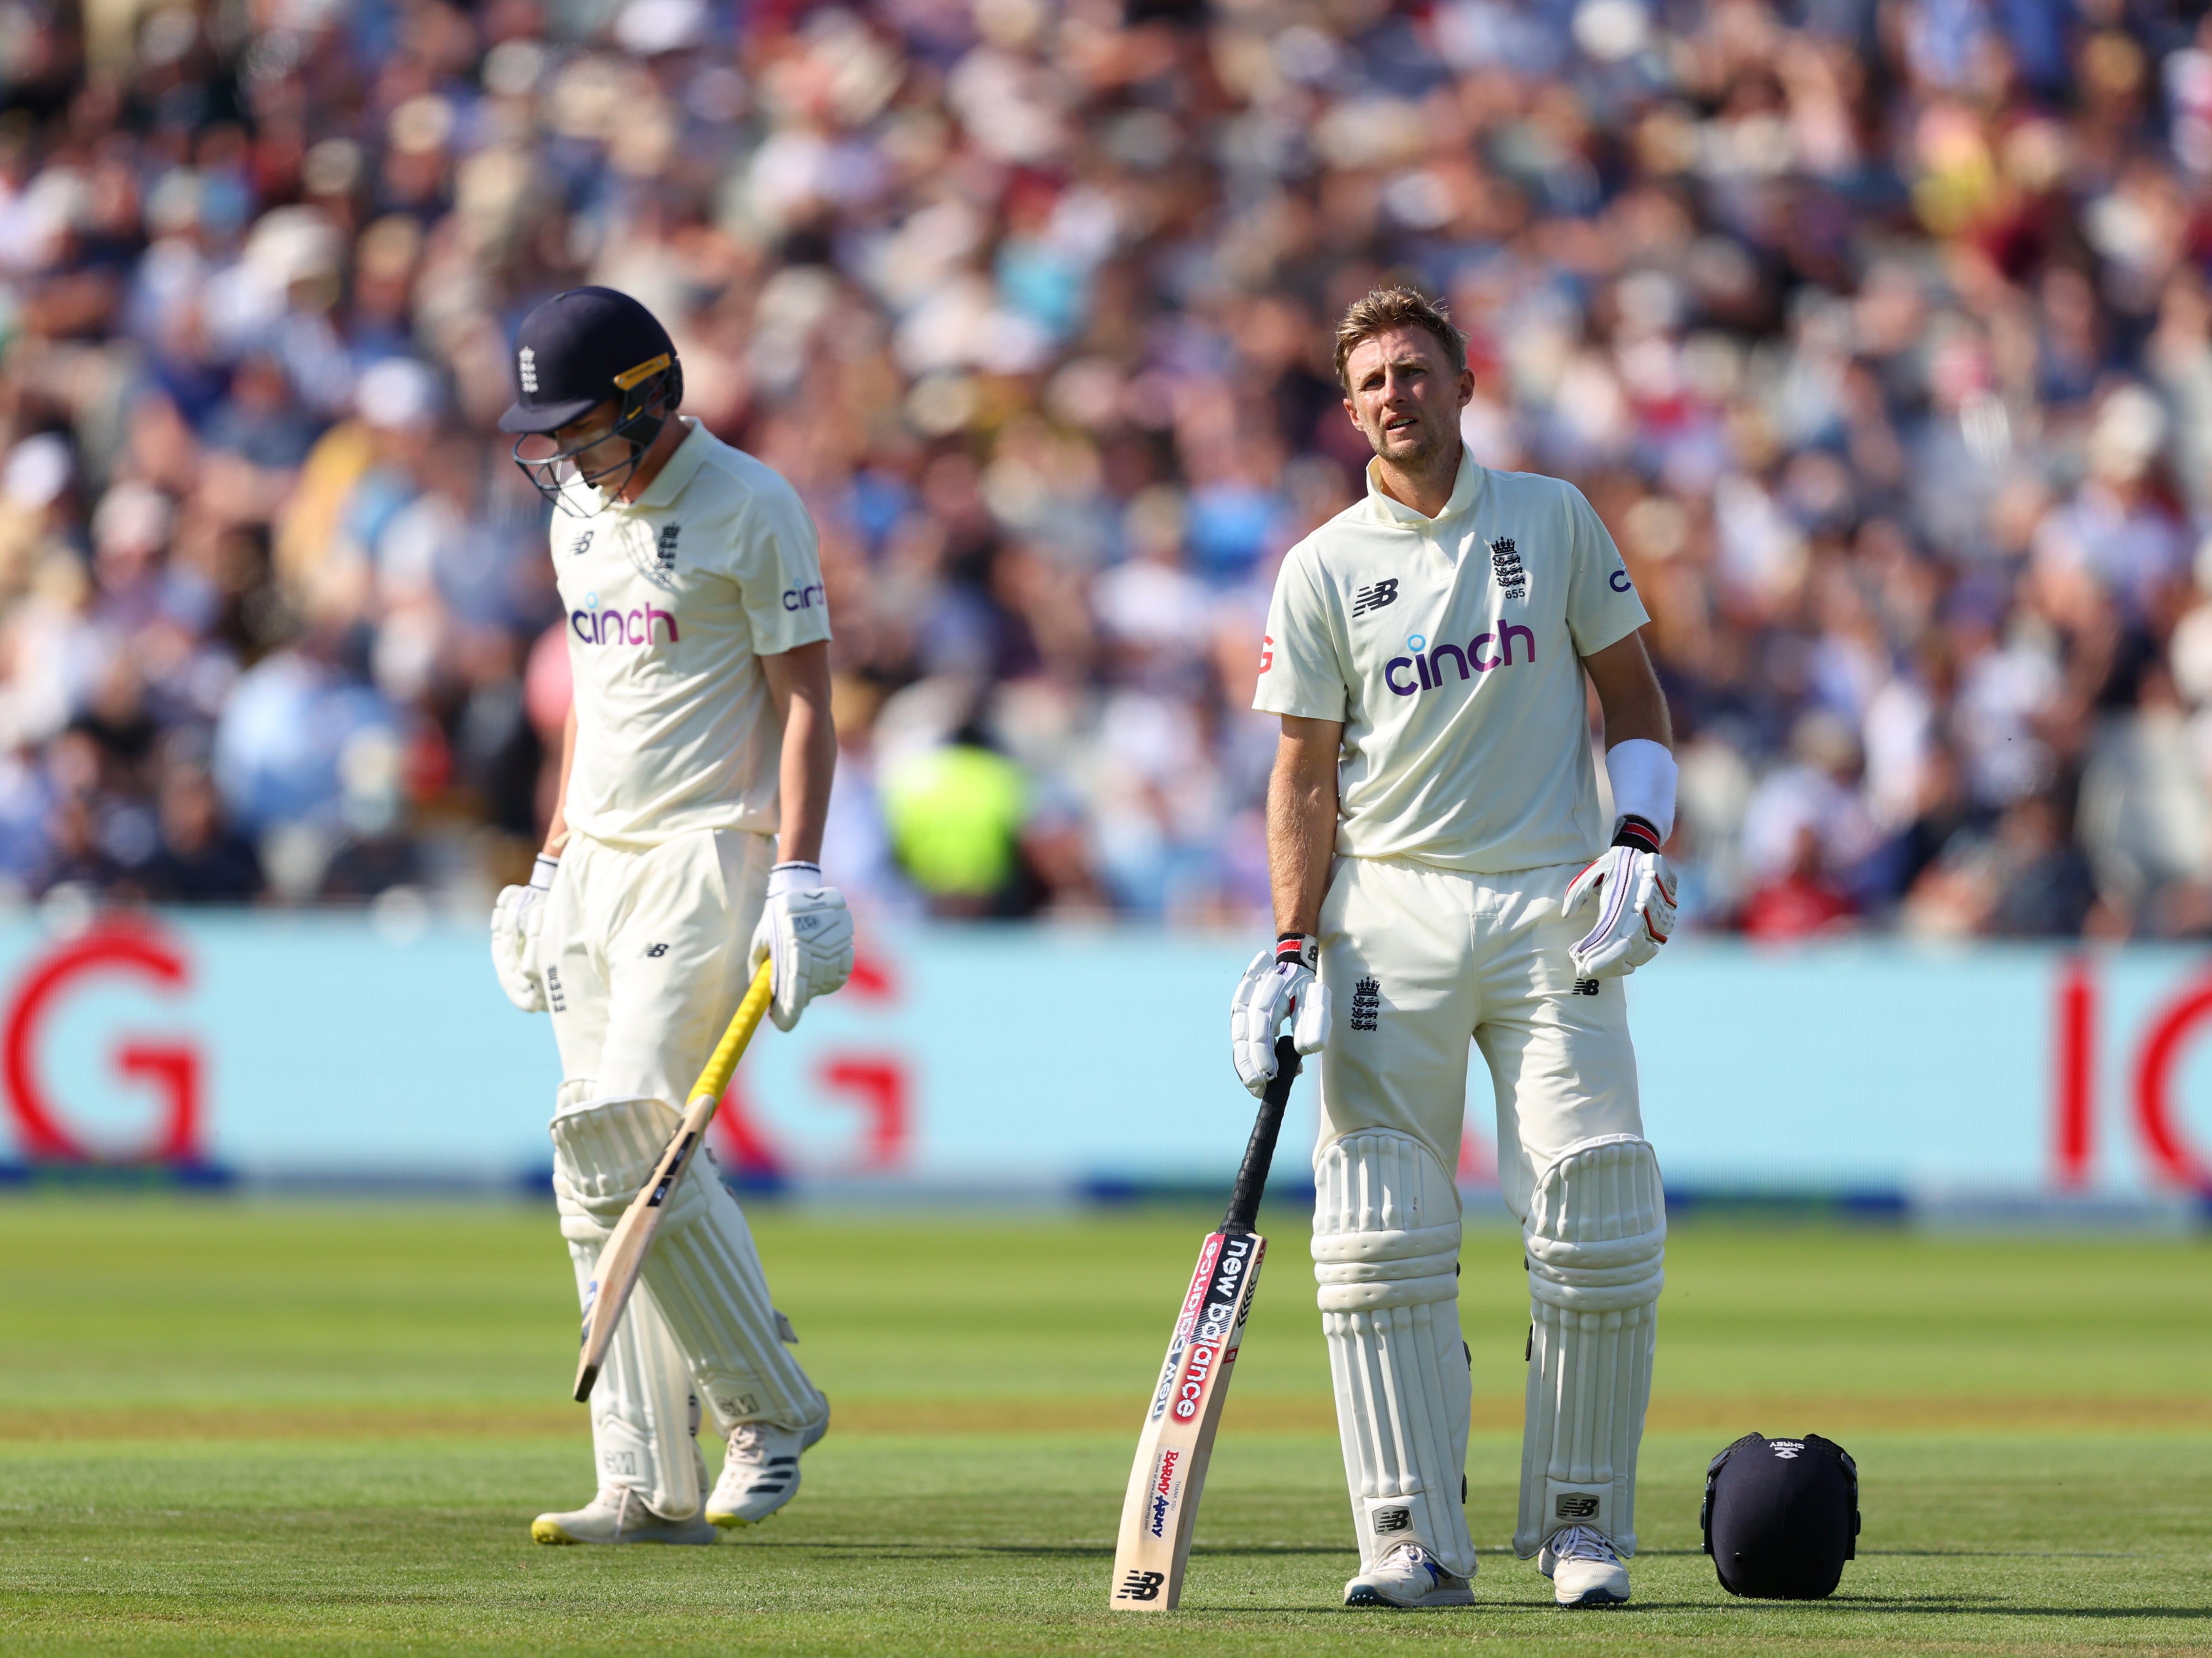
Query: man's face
{"points": [[590, 443], [1404, 397]]}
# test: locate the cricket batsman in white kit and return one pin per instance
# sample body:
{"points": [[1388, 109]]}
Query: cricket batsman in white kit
{"points": [[1441, 873], [696, 775]]}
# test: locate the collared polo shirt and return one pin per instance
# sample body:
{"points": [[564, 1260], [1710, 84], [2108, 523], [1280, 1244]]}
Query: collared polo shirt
{"points": [[1450, 648], [671, 601]]}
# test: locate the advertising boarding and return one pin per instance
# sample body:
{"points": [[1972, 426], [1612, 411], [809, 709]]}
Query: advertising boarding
{"points": [[983, 1062]]}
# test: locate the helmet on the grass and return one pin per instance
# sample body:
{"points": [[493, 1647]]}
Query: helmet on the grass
{"points": [[1781, 1515], [580, 348]]}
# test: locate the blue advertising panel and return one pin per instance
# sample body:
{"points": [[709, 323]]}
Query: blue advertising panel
{"points": [[1022, 1060]]}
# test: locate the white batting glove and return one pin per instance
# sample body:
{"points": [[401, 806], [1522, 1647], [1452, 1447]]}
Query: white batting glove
{"points": [[807, 932], [516, 915], [1279, 985], [1634, 892]]}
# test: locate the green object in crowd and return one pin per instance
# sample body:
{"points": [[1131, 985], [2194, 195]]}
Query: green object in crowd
{"points": [[955, 814]]}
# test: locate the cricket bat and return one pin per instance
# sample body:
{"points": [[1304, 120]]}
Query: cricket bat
{"points": [[622, 1257], [1160, 1508]]}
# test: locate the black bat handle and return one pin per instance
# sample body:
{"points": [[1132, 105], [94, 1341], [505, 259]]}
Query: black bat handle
{"points": [[1260, 1151]]}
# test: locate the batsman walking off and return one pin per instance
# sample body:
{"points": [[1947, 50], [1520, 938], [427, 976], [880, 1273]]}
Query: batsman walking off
{"points": [[1441, 873], [695, 774]]}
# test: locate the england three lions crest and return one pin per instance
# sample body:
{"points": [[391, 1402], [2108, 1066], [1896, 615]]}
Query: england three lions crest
{"points": [[1505, 564]]}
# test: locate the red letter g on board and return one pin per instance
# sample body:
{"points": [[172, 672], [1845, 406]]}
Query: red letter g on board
{"points": [[173, 1068]]}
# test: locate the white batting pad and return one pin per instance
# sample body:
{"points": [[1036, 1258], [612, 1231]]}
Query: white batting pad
{"points": [[644, 1416], [645, 1413], [1596, 1233], [1386, 1255], [703, 1272]]}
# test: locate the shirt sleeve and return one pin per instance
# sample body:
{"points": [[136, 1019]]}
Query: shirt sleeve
{"points": [[1301, 672], [1603, 605], [779, 571]]}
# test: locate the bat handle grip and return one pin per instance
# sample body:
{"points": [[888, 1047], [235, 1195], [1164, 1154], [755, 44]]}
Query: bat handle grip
{"points": [[1260, 1151]]}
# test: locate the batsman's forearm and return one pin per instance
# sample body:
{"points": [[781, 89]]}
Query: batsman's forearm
{"points": [[808, 764], [1629, 693], [1301, 839], [556, 828]]}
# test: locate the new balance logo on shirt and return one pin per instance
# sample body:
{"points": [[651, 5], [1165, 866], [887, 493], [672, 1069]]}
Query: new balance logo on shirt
{"points": [[1383, 593]]}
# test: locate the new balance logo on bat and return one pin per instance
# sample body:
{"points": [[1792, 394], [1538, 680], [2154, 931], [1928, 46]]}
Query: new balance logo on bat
{"points": [[1375, 598], [1140, 1585], [1213, 1328]]}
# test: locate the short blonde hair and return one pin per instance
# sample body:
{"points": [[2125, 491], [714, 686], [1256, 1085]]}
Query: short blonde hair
{"points": [[1387, 308]]}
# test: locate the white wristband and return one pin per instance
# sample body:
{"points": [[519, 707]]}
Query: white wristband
{"points": [[543, 872], [1643, 775], [797, 876]]}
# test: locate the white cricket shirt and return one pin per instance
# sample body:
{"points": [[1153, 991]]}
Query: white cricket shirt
{"points": [[1450, 648], [672, 600]]}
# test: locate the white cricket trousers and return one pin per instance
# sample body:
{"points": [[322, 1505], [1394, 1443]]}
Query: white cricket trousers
{"points": [[645, 955], [1419, 963]]}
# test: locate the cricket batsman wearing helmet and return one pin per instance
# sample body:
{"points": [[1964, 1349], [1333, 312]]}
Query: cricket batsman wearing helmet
{"points": [[1441, 873], [695, 775]]}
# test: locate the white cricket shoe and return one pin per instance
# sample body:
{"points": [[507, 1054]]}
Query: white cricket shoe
{"points": [[1407, 1576], [1584, 1568], [618, 1514], [760, 1473]]}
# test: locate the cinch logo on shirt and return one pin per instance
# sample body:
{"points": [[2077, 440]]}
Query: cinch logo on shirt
{"points": [[631, 627], [1428, 665], [803, 599]]}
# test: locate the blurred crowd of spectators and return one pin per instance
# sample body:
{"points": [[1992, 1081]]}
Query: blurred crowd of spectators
{"points": [[1878, 330]]}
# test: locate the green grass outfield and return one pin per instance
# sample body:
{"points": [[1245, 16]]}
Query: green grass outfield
{"points": [[246, 1427]]}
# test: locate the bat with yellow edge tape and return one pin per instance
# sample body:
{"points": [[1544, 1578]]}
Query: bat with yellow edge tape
{"points": [[1160, 1508], [624, 1256]]}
